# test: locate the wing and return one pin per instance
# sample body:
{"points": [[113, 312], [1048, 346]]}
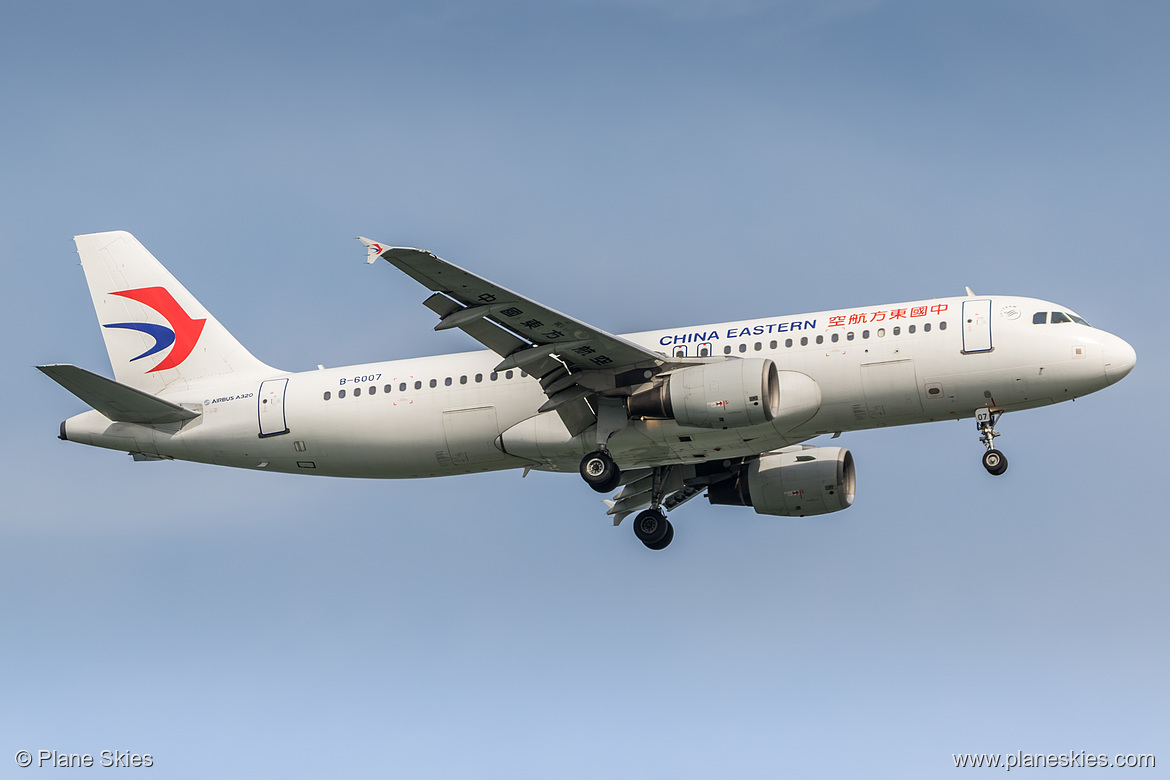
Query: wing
{"points": [[573, 360]]}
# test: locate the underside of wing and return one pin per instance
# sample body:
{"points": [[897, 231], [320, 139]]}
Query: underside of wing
{"points": [[573, 360]]}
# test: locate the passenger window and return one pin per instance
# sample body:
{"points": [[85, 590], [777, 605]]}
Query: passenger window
{"points": [[705, 352], [881, 332], [727, 350], [773, 345], [373, 389], [447, 382], [341, 394], [508, 375], [494, 376], [926, 328], [357, 391], [389, 388], [401, 388], [910, 329], [865, 334], [804, 341], [788, 342], [478, 378], [849, 336], [1059, 317], [759, 346], [835, 337], [897, 330], [523, 374], [328, 395], [743, 347], [463, 379], [418, 385], [1040, 318], [434, 383], [820, 339], [942, 325]]}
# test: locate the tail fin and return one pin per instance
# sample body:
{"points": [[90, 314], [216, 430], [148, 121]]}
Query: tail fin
{"points": [[157, 335]]}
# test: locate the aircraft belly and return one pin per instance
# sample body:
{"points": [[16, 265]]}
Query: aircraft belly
{"points": [[543, 439], [409, 438], [653, 442], [959, 394]]}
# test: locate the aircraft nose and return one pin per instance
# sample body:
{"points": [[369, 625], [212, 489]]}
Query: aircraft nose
{"points": [[1119, 359]]}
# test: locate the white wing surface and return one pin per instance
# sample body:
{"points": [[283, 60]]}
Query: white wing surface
{"points": [[572, 359]]}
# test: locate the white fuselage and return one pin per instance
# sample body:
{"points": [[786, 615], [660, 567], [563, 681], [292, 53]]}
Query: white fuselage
{"points": [[894, 364]]}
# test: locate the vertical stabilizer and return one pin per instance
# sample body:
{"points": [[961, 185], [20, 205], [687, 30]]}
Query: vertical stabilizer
{"points": [[158, 336]]}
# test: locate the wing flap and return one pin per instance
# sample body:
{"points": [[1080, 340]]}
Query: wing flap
{"points": [[577, 416], [118, 402]]}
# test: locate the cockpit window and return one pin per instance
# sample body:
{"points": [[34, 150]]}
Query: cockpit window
{"points": [[1041, 318]]}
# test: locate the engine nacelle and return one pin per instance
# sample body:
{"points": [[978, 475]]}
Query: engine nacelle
{"points": [[727, 394], [808, 481]]}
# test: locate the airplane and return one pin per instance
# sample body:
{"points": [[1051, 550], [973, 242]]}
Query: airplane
{"points": [[661, 417]]}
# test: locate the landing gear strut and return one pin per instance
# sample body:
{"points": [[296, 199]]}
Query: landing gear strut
{"points": [[600, 472], [651, 526], [993, 460]]}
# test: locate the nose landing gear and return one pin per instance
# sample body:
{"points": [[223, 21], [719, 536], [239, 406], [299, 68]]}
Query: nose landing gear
{"points": [[993, 460]]}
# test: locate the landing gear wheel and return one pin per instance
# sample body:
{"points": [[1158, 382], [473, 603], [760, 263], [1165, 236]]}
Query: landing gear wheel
{"points": [[664, 541], [651, 527], [995, 462], [600, 472]]}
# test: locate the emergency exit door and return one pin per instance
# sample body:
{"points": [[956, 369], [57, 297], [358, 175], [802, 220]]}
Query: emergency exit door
{"points": [[271, 407], [976, 326]]}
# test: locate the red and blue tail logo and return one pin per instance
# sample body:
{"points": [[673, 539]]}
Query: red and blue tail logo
{"points": [[183, 334]]}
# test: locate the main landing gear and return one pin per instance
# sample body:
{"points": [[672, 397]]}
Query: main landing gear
{"points": [[651, 527], [993, 460], [600, 472]]}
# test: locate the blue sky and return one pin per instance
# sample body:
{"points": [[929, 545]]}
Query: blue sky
{"points": [[639, 165]]}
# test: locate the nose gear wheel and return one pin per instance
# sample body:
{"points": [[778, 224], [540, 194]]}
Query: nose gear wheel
{"points": [[993, 460]]}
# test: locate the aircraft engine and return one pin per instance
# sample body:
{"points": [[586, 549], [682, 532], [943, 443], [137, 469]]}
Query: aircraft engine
{"points": [[807, 481], [727, 394]]}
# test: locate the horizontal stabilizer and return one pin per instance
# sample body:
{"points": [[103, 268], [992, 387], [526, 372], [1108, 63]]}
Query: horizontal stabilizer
{"points": [[118, 402]]}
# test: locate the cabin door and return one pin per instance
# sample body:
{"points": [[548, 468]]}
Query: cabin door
{"points": [[976, 326], [270, 407]]}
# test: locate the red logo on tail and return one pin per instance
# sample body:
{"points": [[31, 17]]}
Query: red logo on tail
{"points": [[187, 330]]}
